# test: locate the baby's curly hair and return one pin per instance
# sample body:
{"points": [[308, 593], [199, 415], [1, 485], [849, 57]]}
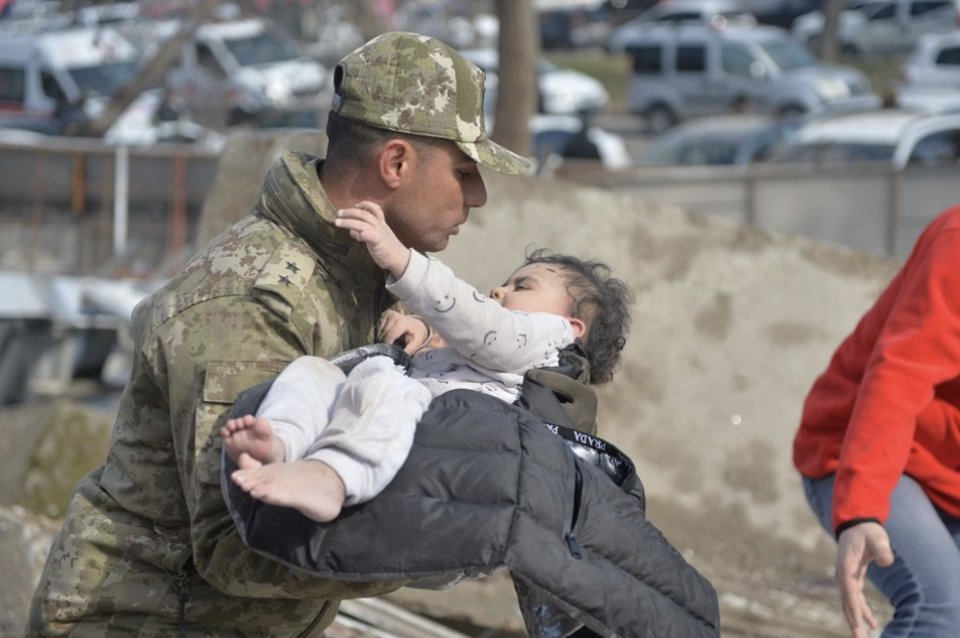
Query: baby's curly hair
{"points": [[601, 301]]}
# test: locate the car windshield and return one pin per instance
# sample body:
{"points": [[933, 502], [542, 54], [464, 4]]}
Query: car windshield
{"points": [[835, 153], [871, 9], [262, 48], [788, 54], [699, 150], [103, 80]]}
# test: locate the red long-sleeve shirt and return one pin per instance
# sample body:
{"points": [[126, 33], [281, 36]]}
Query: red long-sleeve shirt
{"points": [[889, 402]]}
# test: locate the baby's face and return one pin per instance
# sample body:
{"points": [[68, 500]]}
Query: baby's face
{"points": [[536, 288]]}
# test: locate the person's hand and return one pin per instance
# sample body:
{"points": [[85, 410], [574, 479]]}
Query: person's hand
{"points": [[366, 223], [857, 547], [409, 330]]}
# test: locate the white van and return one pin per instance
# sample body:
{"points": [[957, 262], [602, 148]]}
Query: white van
{"points": [[44, 73], [247, 67]]}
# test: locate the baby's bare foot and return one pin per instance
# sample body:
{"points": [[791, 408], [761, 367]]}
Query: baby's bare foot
{"points": [[253, 436], [312, 487]]}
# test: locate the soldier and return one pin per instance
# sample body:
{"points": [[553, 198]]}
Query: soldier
{"points": [[147, 547]]}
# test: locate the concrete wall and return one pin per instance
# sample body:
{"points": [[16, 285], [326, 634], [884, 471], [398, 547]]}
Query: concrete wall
{"points": [[731, 326]]}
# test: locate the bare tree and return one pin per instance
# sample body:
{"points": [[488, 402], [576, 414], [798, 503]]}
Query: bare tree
{"points": [[517, 94], [152, 71], [371, 22], [829, 50]]}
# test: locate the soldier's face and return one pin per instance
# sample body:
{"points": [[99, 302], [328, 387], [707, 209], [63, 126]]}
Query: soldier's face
{"points": [[437, 198]]}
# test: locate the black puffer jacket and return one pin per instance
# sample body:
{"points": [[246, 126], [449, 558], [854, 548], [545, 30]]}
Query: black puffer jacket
{"points": [[485, 486]]}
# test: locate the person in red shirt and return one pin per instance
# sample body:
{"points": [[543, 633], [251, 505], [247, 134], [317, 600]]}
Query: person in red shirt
{"points": [[879, 446]]}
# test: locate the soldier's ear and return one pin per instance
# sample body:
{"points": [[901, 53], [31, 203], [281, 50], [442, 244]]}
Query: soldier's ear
{"points": [[395, 161]]}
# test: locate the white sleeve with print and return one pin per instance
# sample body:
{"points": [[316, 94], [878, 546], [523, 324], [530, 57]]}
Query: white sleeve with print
{"points": [[475, 325]]}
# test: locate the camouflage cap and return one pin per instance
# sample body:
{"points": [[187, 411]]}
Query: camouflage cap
{"points": [[415, 84]]}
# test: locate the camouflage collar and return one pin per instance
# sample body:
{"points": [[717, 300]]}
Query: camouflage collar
{"points": [[293, 197]]}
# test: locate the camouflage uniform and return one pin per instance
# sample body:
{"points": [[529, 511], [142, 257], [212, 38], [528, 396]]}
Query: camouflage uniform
{"points": [[280, 283], [147, 547]]}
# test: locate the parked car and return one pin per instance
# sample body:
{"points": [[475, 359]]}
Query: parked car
{"points": [[737, 139], [930, 77], [934, 62], [881, 26], [896, 136], [559, 137], [561, 91], [244, 70], [782, 13], [45, 72], [684, 72], [717, 13]]}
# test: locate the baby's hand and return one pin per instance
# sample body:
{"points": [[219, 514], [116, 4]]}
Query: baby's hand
{"points": [[366, 223], [408, 330]]}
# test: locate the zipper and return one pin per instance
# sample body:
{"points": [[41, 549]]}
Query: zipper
{"points": [[572, 544]]}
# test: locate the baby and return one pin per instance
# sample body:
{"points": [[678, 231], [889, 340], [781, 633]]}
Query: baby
{"points": [[322, 440]]}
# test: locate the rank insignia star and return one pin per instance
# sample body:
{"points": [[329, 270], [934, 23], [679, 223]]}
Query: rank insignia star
{"points": [[292, 267], [284, 280]]}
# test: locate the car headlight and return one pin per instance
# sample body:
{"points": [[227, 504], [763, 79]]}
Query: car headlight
{"points": [[833, 89]]}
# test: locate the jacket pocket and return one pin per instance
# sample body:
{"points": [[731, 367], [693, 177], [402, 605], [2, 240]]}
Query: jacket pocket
{"points": [[222, 383]]}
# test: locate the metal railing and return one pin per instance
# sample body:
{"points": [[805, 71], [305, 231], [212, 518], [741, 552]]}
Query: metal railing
{"points": [[78, 205]]}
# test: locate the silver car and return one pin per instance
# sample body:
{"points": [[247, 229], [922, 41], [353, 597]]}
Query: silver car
{"points": [[898, 137], [934, 62], [690, 71], [881, 26]]}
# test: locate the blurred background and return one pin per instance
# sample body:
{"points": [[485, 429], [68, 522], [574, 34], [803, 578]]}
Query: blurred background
{"points": [[756, 168]]}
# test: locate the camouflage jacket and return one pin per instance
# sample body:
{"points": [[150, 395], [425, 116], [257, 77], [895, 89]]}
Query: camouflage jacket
{"points": [[147, 545]]}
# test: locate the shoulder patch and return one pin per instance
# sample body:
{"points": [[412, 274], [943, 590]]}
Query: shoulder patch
{"points": [[284, 277]]}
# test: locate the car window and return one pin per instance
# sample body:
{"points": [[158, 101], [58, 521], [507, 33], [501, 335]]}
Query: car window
{"points": [[11, 85], [207, 60], [51, 88], [646, 59], [880, 11], [949, 56], [788, 54], [942, 147], [710, 152], [680, 16], [796, 153], [691, 58], [103, 79], [856, 152], [926, 6], [735, 60], [262, 48]]}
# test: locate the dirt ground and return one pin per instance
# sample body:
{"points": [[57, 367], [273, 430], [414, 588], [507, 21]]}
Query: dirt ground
{"points": [[766, 588]]}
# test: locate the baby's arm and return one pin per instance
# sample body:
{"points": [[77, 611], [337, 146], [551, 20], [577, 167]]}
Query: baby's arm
{"points": [[475, 325], [366, 223]]}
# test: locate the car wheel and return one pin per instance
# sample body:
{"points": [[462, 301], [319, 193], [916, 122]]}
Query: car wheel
{"points": [[791, 110], [743, 104], [659, 118]]}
